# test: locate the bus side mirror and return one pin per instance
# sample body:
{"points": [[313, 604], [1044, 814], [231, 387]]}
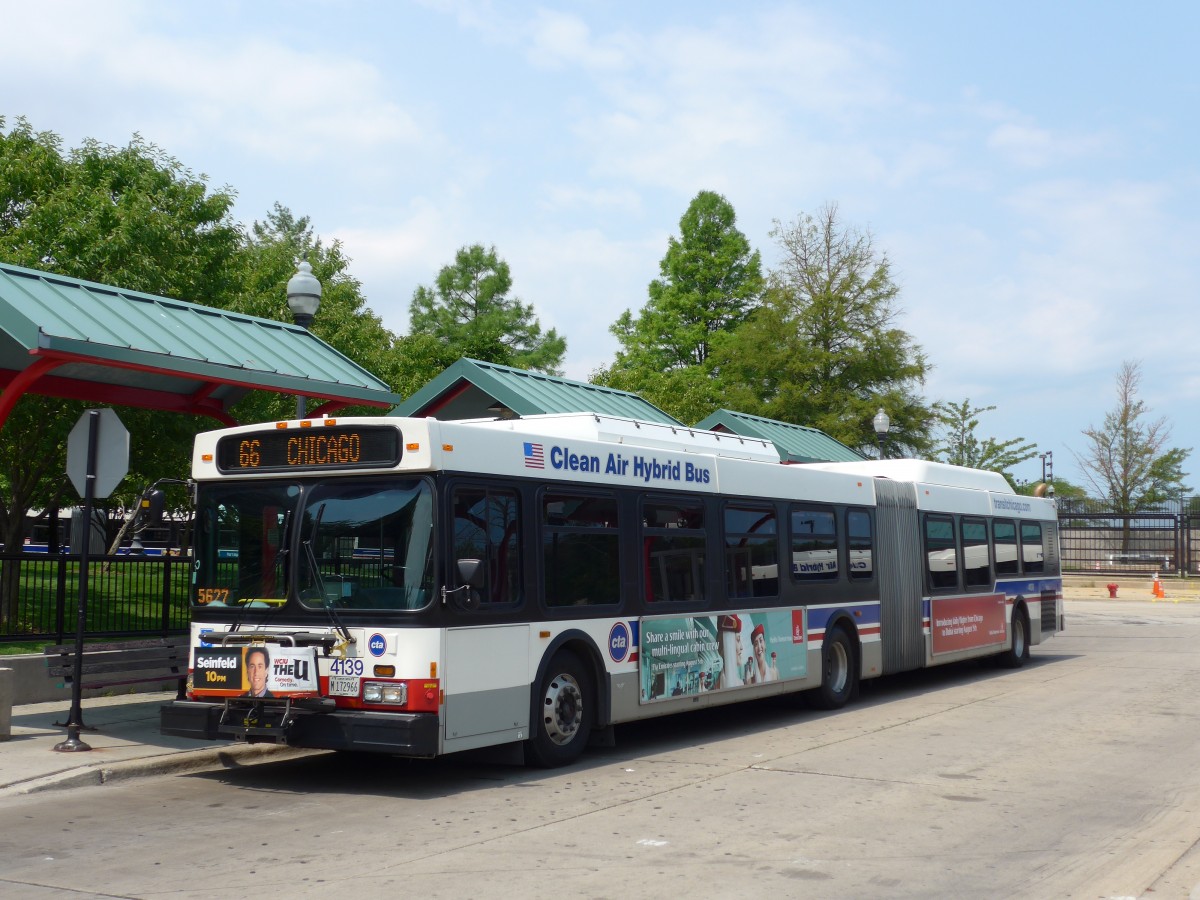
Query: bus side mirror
{"points": [[470, 572], [470, 577]]}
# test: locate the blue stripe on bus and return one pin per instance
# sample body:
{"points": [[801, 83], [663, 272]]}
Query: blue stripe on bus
{"points": [[863, 613], [1028, 585]]}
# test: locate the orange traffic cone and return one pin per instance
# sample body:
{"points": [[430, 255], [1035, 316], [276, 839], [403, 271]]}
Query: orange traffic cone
{"points": [[1158, 588]]}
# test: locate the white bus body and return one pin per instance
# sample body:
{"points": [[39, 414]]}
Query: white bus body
{"points": [[422, 587]]}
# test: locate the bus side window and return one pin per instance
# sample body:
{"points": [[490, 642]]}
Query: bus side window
{"points": [[487, 528], [861, 545], [751, 551], [941, 557], [814, 545], [673, 549], [1032, 554], [977, 562], [1004, 536], [580, 550]]}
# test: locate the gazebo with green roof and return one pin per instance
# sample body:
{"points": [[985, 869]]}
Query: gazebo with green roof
{"points": [[795, 443], [470, 389], [65, 337]]}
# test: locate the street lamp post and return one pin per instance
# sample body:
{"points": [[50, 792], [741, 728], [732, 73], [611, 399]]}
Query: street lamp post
{"points": [[1048, 471], [883, 425], [304, 299]]}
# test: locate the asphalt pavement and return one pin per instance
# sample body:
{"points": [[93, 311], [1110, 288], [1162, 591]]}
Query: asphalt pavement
{"points": [[123, 731]]}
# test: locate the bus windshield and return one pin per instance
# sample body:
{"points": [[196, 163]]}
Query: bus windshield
{"points": [[367, 545], [360, 544]]}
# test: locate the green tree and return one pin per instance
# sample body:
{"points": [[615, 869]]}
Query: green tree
{"points": [[268, 261], [419, 358], [960, 446], [1064, 491], [131, 216], [469, 311], [823, 349], [710, 280], [1127, 460]]}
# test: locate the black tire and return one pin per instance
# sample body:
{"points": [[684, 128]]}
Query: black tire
{"points": [[563, 713], [1014, 657], [839, 672]]}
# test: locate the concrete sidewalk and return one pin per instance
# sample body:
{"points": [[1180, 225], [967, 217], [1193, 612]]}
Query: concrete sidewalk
{"points": [[125, 740]]}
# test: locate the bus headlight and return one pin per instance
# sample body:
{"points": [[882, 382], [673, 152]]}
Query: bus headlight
{"points": [[391, 693]]}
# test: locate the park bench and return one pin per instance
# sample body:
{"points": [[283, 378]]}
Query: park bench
{"points": [[121, 663]]}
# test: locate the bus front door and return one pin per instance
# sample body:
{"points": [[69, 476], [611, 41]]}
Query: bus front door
{"points": [[487, 686]]}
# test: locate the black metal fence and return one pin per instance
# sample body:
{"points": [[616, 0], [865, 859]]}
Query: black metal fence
{"points": [[140, 595], [127, 596], [1164, 541]]}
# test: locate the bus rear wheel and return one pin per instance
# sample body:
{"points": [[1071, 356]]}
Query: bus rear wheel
{"points": [[1014, 657], [838, 674], [563, 715]]}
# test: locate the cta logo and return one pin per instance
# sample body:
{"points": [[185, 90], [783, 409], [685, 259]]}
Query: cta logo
{"points": [[618, 642], [377, 644]]}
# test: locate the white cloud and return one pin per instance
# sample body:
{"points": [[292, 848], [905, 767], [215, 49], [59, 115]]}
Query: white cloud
{"points": [[277, 102], [1035, 148], [576, 197], [559, 40], [579, 282]]}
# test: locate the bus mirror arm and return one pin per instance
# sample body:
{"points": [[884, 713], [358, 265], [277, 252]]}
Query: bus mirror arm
{"points": [[466, 595]]}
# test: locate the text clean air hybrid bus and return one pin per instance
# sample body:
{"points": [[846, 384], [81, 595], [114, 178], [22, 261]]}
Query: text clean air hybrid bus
{"points": [[418, 587]]}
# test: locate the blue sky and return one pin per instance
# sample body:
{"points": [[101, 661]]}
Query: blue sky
{"points": [[1030, 169]]}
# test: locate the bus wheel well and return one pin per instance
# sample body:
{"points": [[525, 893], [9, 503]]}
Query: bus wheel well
{"points": [[1015, 655], [563, 712], [840, 666], [585, 650], [848, 625]]}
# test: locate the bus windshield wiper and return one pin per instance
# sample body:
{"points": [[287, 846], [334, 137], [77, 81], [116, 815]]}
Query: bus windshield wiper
{"points": [[315, 569], [285, 541]]}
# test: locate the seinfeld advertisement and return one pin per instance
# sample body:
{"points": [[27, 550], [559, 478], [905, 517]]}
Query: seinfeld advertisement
{"points": [[690, 655], [255, 671]]}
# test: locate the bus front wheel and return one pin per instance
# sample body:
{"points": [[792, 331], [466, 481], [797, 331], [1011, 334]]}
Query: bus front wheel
{"points": [[563, 715], [838, 674]]}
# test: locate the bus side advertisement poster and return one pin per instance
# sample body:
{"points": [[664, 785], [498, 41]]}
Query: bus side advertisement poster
{"points": [[255, 671], [684, 656], [967, 623]]}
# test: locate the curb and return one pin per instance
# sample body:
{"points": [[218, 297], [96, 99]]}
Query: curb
{"points": [[234, 756]]}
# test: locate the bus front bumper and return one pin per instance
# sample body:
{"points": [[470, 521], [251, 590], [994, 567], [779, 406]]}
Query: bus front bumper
{"points": [[405, 734]]}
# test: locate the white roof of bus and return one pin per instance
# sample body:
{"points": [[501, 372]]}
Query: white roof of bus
{"points": [[630, 432], [922, 472]]}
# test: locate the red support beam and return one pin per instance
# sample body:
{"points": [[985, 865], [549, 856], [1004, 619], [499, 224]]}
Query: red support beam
{"points": [[35, 379], [16, 387]]}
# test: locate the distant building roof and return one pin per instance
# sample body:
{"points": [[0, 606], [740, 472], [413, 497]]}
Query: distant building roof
{"points": [[795, 443], [471, 389], [77, 339]]}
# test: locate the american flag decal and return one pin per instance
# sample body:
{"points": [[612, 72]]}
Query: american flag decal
{"points": [[534, 459]]}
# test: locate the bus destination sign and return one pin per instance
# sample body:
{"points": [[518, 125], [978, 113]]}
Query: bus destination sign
{"points": [[312, 449]]}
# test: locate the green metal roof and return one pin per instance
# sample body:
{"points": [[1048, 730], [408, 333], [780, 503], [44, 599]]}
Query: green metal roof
{"points": [[468, 388], [795, 443], [71, 338]]}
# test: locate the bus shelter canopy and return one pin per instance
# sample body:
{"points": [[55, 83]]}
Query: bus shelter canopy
{"points": [[472, 389], [75, 339]]}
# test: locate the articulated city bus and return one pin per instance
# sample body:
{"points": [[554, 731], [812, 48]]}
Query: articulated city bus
{"points": [[418, 587]]}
